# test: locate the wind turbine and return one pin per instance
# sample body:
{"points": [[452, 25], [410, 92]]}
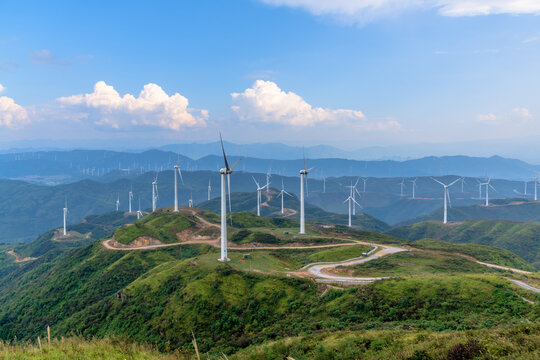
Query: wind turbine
{"points": [[488, 185], [117, 202], [462, 184], [525, 187], [354, 191], [365, 181], [303, 177], [190, 202], [65, 217], [209, 188], [225, 183], [446, 198], [324, 185], [176, 172], [259, 190], [155, 194], [413, 187], [402, 185], [130, 198], [351, 201], [139, 212], [282, 193], [535, 188], [268, 176], [479, 189]]}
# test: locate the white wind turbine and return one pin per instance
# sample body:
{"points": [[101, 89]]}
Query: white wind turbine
{"points": [[525, 187], [155, 194], [488, 185], [535, 188], [117, 202], [65, 217], [259, 191], [130, 198], [225, 184], [365, 181], [282, 193], [303, 177], [479, 189], [268, 176], [324, 185], [351, 201], [413, 188], [190, 202], [139, 212], [177, 172], [209, 188], [402, 185], [462, 180], [446, 196], [354, 191]]}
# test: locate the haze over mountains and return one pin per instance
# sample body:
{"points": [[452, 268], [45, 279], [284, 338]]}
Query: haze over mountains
{"points": [[53, 167]]}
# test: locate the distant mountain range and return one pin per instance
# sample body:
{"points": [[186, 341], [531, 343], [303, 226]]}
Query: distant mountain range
{"points": [[54, 167]]}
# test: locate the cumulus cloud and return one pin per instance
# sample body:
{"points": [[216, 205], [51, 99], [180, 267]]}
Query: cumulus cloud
{"points": [[363, 10], [2, 88], [12, 115], [266, 102], [153, 107]]}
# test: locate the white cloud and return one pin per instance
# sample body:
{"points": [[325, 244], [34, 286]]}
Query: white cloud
{"points": [[364, 10], [486, 118], [12, 115], [523, 113], [153, 107], [266, 102], [2, 88]]}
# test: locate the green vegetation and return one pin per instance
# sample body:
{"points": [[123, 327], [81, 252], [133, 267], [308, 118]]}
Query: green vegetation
{"points": [[79, 348], [480, 252], [520, 238], [416, 263], [161, 226], [520, 342]]}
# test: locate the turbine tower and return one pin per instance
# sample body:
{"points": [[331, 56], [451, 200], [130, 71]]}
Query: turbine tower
{"points": [[130, 198], [413, 188], [225, 184], [525, 187], [402, 185], [323, 185], [268, 176], [282, 193], [139, 212], [351, 201], [462, 184], [155, 194], [209, 188], [65, 217], [536, 188], [303, 177], [354, 191], [176, 172], [488, 185], [190, 202], [446, 198], [117, 202], [259, 191], [365, 181]]}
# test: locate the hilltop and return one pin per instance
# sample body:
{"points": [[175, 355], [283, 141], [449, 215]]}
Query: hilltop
{"points": [[521, 238]]}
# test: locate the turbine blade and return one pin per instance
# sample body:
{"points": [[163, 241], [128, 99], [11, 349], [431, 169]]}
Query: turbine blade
{"points": [[356, 202], [236, 162], [438, 181], [223, 150], [256, 183], [180, 173], [453, 182], [448, 196], [357, 180], [287, 193], [229, 195]]}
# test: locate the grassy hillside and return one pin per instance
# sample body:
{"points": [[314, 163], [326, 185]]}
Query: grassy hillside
{"points": [[520, 238], [272, 208]]}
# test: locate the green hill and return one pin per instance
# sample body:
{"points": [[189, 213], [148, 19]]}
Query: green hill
{"points": [[520, 238], [272, 208], [161, 296]]}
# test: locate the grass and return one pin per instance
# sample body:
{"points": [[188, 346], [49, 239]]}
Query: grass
{"points": [[161, 226], [75, 348], [519, 342], [416, 263]]}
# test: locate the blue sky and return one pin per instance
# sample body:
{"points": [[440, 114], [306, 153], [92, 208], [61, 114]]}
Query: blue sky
{"points": [[350, 73]]}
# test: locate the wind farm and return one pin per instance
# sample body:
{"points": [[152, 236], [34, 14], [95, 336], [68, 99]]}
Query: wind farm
{"points": [[270, 179]]}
